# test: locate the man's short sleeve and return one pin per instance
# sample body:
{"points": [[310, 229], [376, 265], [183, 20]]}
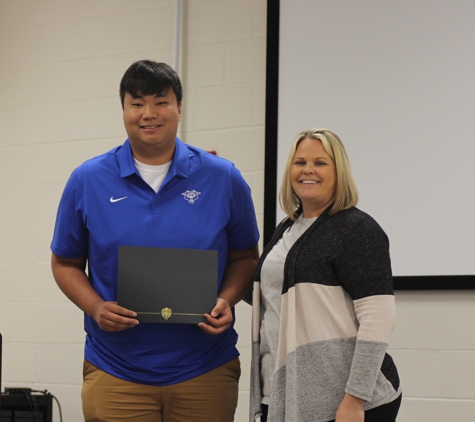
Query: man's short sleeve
{"points": [[242, 228], [70, 234]]}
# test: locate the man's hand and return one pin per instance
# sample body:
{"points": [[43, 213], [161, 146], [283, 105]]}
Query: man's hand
{"points": [[71, 278], [350, 410], [237, 282], [219, 320], [112, 317]]}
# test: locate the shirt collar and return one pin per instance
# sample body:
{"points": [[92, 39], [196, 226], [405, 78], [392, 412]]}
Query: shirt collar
{"points": [[179, 165]]}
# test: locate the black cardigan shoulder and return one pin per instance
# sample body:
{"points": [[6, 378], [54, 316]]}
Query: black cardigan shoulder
{"points": [[347, 249]]}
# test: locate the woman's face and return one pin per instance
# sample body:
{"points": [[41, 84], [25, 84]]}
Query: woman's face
{"points": [[313, 177]]}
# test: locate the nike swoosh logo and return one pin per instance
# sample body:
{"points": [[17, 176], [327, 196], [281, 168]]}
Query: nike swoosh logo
{"points": [[118, 199]]}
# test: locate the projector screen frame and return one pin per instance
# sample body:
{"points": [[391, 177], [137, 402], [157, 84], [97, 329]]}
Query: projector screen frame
{"points": [[423, 282]]}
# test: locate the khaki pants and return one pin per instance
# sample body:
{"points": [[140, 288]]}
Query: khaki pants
{"points": [[211, 397]]}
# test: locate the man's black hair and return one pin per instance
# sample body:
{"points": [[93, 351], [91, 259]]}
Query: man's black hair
{"points": [[147, 77]]}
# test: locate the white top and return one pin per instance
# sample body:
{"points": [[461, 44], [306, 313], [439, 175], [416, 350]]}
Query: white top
{"points": [[272, 278], [153, 175]]}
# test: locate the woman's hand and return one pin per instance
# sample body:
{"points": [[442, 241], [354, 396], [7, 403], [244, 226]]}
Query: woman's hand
{"points": [[350, 410]]}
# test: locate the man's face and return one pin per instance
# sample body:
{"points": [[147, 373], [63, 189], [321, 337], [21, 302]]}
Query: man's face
{"points": [[151, 123]]}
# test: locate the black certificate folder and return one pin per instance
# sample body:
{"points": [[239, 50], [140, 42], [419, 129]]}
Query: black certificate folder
{"points": [[167, 285]]}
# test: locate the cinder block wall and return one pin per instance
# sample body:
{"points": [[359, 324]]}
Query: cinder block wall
{"points": [[434, 347], [60, 67]]}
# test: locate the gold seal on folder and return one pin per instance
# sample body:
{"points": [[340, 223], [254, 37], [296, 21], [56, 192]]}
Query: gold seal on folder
{"points": [[166, 313]]}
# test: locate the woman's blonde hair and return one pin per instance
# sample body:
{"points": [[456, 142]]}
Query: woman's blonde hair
{"points": [[346, 194]]}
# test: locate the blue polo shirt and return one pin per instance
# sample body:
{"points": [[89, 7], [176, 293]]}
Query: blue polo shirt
{"points": [[203, 203]]}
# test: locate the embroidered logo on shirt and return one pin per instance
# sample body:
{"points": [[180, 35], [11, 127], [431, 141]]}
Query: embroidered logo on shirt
{"points": [[191, 196], [117, 200]]}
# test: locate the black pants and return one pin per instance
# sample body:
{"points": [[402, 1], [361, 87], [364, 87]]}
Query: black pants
{"points": [[384, 413]]}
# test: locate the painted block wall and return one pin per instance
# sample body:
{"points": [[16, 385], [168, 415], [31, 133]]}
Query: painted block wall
{"points": [[433, 345], [60, 66]]}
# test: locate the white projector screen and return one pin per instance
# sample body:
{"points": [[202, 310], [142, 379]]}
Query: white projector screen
{"points": [[396, 81]]}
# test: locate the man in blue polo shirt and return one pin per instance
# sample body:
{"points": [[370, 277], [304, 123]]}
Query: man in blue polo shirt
{"points": [[155, 191]]}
